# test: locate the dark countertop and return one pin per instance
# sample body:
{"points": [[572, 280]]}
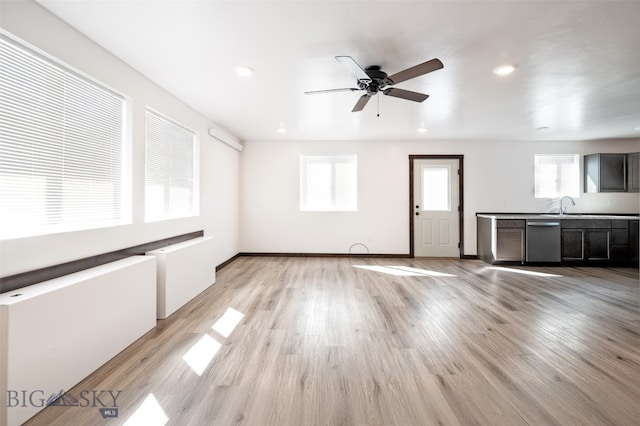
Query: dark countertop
{"points": [[558, 216]]}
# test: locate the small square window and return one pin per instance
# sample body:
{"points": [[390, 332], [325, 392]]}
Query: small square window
{"points": [[557, 175], [328, 183]]}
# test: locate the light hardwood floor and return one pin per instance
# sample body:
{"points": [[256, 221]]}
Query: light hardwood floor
{"points": [[348, 341]]}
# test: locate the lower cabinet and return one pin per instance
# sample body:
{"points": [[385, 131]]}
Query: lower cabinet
{"points": [[598, 244], [620, 241], [501, 240], [510, 244], [634, 241], [510, 240], [588, 241], [597, 240], [573, 244]]}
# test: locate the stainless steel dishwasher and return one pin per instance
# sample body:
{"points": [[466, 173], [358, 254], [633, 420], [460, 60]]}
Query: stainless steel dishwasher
{"points": [[543, 241]]}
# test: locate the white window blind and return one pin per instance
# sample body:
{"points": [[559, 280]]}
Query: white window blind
{"points": [[328, 183], [171, 169], [62, 147], [557, 175]]}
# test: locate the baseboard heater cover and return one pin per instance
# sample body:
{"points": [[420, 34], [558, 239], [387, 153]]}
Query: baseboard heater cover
{"points": [[184, 270], [55, 333]]}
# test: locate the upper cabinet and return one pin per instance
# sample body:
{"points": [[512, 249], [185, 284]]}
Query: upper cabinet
{"points": [[611, 172], [633, 172]]}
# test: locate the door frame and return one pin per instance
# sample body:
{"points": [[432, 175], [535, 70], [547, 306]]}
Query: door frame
{"points": [[460, 159]]}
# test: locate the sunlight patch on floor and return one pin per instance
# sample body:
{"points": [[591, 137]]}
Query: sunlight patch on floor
{"points": [[228, 322], [403, 271], [150, 413], [201, 354], [523, 271]]}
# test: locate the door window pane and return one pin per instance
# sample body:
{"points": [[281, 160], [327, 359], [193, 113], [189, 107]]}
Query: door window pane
{"points": [[436, 195]]}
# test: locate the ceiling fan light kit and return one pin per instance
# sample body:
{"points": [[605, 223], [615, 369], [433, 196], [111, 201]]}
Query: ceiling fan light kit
{"points": [[373, 80]]}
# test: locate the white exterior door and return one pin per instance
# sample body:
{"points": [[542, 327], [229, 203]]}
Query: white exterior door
{"points": [[436, 223]]}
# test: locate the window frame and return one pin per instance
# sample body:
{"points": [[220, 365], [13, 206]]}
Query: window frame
{"points": [[61, 216], [170, 214], [561, 190], [332, 160]]}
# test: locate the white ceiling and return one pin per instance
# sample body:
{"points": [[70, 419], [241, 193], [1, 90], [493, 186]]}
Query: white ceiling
{"points": [[578, 64]]}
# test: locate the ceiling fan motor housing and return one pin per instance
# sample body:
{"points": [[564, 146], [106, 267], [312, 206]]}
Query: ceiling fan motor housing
{"points": [[378, 80]]}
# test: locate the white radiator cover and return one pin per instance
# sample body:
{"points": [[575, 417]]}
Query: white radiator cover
{"points": [[185, 270], [56, 333]]}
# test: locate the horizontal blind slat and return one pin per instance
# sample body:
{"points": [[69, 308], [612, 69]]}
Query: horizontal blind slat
{"points": [[61, 146]]}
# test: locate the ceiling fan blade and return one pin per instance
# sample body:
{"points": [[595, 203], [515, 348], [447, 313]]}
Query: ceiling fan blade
{"points": [[353, 67], [406, 94], [315, 92], [361, 103], [425, 67]]}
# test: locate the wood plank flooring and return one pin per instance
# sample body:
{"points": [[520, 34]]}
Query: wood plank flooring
{"points": [[346, 341]]}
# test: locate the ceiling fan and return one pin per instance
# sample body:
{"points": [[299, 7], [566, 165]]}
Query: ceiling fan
{"points": [[373, 80]]}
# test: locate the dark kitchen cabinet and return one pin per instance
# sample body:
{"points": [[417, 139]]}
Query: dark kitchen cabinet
{"points": [[620, 250], [598, 244], [586, 240], [501, 240], [572, 244], [634, 241], [510, 240], [605, 173], [633, 172]]}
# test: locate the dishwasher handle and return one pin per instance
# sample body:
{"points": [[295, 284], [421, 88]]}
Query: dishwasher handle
{"points": [[543, 223]]}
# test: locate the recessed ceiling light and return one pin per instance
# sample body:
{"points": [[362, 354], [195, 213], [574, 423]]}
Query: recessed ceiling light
{"points": [[244, 70], [422, 129], [282, 130], [637, 129], [505, 69]]}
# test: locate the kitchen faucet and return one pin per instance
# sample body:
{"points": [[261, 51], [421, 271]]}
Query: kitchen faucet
{"points": [[563, 210]]}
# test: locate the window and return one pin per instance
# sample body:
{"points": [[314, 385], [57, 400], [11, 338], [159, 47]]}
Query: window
{"points": [[328, 183], [171, 169], [557, 175], [63, 150], [436, 194]]}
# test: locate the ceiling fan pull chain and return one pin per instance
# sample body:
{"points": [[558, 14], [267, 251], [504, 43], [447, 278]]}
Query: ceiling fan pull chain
{"points": [[378, 106]]}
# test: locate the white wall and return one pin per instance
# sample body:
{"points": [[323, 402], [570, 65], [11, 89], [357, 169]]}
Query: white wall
{"points": [[219, 167], [498, 177]]}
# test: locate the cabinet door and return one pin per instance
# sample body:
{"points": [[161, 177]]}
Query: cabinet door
{"points": [[605, 173], [510, 244], [634, 241], [613, 172], [598, 244], [633, 172], [620, 241], [573, 244]]}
